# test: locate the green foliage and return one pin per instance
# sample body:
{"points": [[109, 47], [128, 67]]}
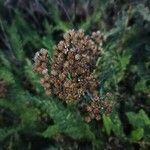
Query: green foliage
{"points": [[15, 40], [51, 131], [66, 121], [4, 133], [137, 134], [31, 75], [138, 120], [107, 124], [141, 123], [6, 75], [113, 124]]}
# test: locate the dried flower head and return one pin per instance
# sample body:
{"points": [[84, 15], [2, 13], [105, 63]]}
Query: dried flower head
{"points": [[72, 67], [41, 60], [96, 107]]}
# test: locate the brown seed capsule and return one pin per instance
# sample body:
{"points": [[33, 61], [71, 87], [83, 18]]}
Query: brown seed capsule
{"points": [[44, 65], [67, 83], [42, 81], [43, 51], [77, 57], [48, 92], [92, 116], [61, 45], [46, 85], [66, 64], [96, 110], [46, 77], [89, 109], [62, 76], [44, 72], [39, 69], [93, 104], [98, 117], [53, 72], [87, 119], [70, 55], [71, 62]]}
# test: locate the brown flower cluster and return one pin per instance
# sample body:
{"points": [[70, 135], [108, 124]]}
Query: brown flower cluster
{"points": [[71, 73], [72, 65], [41, 60], [3, 89], [96, 108]]}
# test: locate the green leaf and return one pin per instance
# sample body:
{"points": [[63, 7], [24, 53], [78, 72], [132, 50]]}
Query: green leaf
{"points": [[5, 60], [141, 86], [138, 120], [113, 124], [5, 132], [69, 76], [137, 134], [107, 124], [123, 60], [51, 131], [22, 111], [6, 75], [31, 75], [117, 126], [15, 41], [68, 122]]}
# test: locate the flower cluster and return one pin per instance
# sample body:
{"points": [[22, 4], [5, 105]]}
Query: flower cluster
{"points": [[41, 60], [71, 74], [72, 66], [96, 107]]}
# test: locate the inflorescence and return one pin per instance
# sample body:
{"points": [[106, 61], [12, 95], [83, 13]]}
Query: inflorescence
{"points": [[71, 73]]}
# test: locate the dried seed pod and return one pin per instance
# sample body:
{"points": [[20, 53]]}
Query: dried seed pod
{"points": [[45, 71], [87, 119], [48, 92], [98, 117], [62, 76], [77, 57], [46, 85], [89, 109], [53, 72]]}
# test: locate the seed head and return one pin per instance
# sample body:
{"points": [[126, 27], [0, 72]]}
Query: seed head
{"points": [[72, 68]]}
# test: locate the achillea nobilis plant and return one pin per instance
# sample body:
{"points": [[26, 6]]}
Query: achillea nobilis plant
{"points": [[71, 74]]}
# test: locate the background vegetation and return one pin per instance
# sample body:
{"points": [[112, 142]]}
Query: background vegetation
{"points": [[31, 121]]}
